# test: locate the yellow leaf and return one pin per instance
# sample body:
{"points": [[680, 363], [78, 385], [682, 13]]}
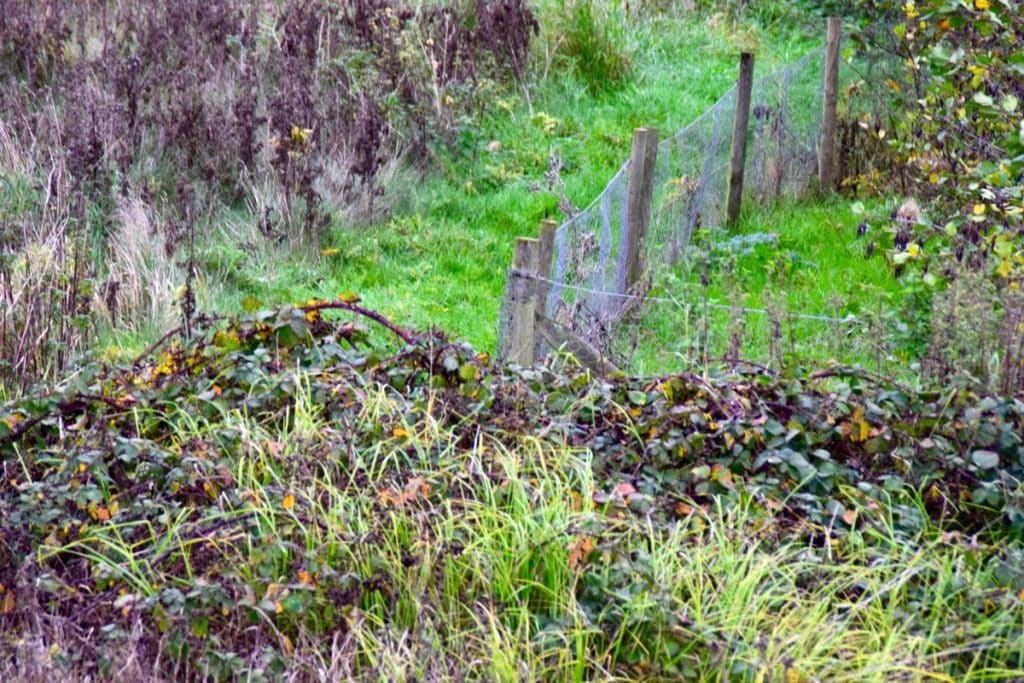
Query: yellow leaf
{"points": [[289, 502], [301, 135], [1005, 268], [979, 209], [893, 84]]}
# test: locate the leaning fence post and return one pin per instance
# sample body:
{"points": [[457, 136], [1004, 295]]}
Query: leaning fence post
{"points": [[739, 137], [827, 148], [545, 252], [639, 194], [522, 325]]}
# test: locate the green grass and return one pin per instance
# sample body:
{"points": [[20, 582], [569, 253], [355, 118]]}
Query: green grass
{"points": [[793, 259], [320, 524], [440, 258]]}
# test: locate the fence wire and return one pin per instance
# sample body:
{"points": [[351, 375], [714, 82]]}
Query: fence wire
{"points": [[588, 270]]}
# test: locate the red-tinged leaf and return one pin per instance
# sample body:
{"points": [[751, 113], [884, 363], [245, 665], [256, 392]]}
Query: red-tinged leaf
{"points": [[625, 489]]}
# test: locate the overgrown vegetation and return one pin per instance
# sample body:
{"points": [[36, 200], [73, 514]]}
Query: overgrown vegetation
{"points": [[125, 125], [953, 132], [273, 500], [286, 495]]}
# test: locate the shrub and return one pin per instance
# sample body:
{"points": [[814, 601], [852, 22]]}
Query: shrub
{"points": [[951, 87]]}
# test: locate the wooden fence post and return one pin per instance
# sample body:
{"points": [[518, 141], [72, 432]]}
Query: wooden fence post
{"points": [[739, 137], [545, 252], [827, 148], [522, 325], [639, 194]]}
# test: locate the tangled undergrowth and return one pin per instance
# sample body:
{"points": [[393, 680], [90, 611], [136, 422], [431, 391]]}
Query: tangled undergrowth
{"points": [[274, 499]]}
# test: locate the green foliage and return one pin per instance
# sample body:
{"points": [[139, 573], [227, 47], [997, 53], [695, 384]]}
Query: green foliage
{"points": [[596, 39], [276, 481], [956, 125]]}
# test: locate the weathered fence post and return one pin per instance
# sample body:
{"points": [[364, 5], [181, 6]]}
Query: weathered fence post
{"points": [[827, 148], [545, 252], [522, 324], [639, 194], [739, 137]]}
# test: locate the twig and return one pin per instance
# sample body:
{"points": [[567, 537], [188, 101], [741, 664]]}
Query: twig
{"points": [[202, 320], [405, 336], [203, 533], [158, 343]]}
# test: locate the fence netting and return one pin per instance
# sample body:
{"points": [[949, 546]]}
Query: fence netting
{"points": [[588, 293]]}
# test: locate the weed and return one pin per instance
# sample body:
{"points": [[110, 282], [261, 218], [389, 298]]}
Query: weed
{"points": [[596, 40]]}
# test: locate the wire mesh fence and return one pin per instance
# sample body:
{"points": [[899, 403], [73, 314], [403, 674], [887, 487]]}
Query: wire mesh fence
{"points": [[589, 293]]}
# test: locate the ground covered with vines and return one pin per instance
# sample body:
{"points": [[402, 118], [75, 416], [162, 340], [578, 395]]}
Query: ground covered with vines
{"points": [[242, 500]]}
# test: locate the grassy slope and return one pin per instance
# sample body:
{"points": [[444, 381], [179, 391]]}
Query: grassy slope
{"points": [[441, 258]]}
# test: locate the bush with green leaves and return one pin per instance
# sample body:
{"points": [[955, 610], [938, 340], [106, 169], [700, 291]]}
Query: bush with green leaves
{"points": [[952, 121]]}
